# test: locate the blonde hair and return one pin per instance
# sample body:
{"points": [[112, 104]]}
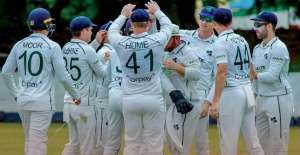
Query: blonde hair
{"points": [[139, 24]]}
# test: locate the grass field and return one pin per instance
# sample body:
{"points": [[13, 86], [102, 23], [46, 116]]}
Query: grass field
{"points": [[12, 140]]}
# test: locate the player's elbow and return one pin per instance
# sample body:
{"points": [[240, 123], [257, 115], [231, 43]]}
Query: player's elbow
{"points": [[192, 74], [222, 70], [268, 77]]}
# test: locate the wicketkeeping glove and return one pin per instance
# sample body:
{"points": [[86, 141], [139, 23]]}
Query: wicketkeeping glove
{"points": [[183, 106]]}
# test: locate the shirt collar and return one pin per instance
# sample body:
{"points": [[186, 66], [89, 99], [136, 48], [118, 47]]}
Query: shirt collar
{"points": [[108, 45], [39, 35], [270, 43], [139, 35], [226, 32], [209, 39], [178, 48], [78, 41]]}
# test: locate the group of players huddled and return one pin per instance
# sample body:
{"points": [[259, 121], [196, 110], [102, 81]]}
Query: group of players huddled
{"points": [[159, 85]]}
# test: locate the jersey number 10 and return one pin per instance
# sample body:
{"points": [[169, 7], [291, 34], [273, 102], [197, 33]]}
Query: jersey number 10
{"points": [[28, 64]]}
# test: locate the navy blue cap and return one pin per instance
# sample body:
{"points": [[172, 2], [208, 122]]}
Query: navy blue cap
{"points": [[139, 15], [105, 26], [38, 18], [81, 22], [267, 17], [223, 16], [207, 11]]}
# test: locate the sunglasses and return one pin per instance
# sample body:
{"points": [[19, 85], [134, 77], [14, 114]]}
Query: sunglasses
{"points": [[206, 19], [257, 24]]}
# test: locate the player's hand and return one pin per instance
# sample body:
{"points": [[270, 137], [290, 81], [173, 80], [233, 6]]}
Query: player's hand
{"points": [[170, 64], [203, 111], [106, 56], [77, 101], [253, 73], [100, 36], [152, 6], [182, 105], [214, 110], [127, 10]]}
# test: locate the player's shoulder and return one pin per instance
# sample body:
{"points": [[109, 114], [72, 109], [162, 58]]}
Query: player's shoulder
{"points": [[279, 48], [107, 47], [84, 47], [187, 48], [256, 47], [20, 42], [52, 43], [188, 32], [66, 45], [49, 43], [277, 43]]}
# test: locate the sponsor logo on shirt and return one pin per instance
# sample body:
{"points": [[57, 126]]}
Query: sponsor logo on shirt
{"points": [[29, 84], [141, 79]]}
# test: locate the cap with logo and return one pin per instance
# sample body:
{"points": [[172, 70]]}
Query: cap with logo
{"points": [[223, 16], [267, 17], [175, 30], [207, 13], [39, 18], [81, 22], [139, 15]]}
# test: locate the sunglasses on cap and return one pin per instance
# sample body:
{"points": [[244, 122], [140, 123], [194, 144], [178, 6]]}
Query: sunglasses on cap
{"points": [[259, 24], [206, 19]]}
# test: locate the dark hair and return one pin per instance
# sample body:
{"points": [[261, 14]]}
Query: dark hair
{"points": [[76, 33]]}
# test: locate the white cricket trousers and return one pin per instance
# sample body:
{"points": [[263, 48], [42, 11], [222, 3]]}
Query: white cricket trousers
{"points": [[35, 125], [82, 130], [273, 116], [201, 137], [235, 116], [144, 117], [101, 125], [185, 127], [115, 122]]}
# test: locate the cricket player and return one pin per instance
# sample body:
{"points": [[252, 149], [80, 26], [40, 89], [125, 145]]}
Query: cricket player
{"points": [[232, 101], [82, 63], [103, 90], [37, 60], [273, 91], [114, 108], [141, 56], [202, 41], [183, 71], [167, 86], [103, 55]]}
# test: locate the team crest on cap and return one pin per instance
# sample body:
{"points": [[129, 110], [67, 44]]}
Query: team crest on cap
{"points": [[31, 22]]}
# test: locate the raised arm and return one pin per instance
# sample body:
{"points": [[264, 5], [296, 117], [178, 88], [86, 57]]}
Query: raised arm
{"points": [[114, 35], [164, 21]]}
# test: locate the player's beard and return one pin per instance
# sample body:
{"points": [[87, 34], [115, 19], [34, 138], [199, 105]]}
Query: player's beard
{"points": [[172, 44], [261, 33]]}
